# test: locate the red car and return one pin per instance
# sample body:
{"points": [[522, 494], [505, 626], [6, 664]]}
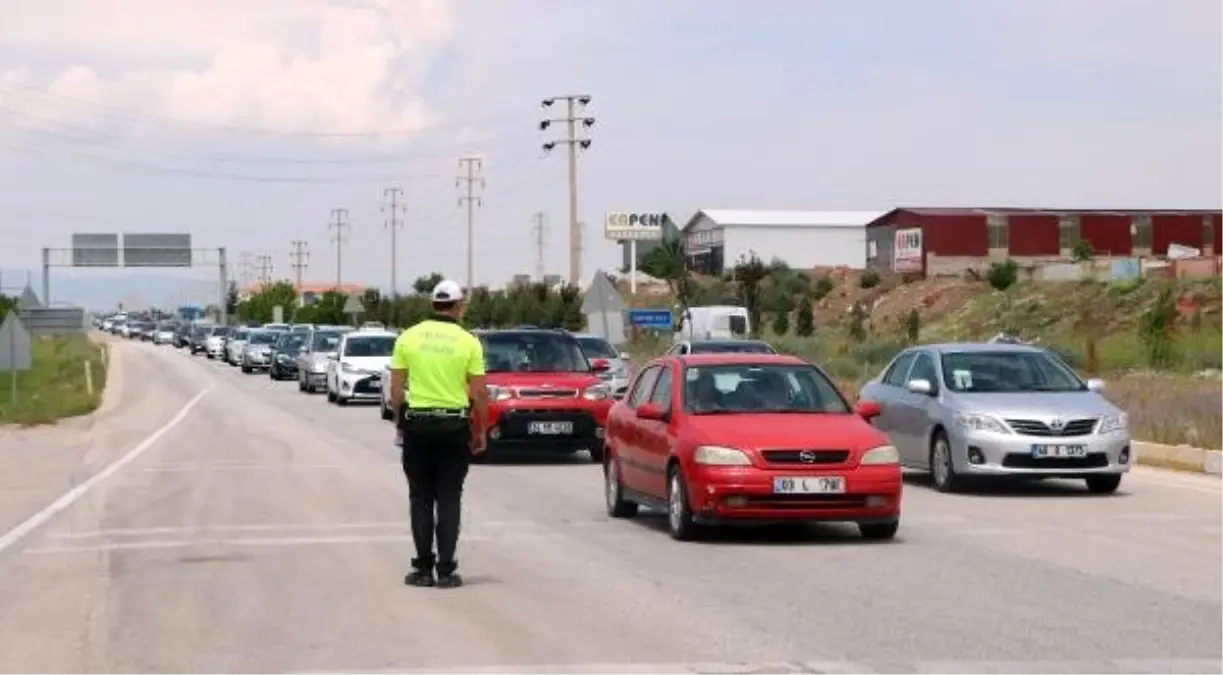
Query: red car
{"points": [[748, 438], [543, 393]]}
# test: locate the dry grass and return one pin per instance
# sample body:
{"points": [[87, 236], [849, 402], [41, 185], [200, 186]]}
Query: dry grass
{"points": [[55, 387], [1172, 409]]}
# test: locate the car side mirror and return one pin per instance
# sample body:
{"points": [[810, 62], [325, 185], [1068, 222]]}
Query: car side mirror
{"points": [[1095, 384], [651, 411], [600, 365], [868, 410], [923, 387]]}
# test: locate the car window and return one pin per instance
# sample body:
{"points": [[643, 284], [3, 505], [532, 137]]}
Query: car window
{"points": [[369, 345], [895, 375], [597, 348], [752, 388], [642, 387], [923, 369], [662, 391], [988, 372], [325, 341]]}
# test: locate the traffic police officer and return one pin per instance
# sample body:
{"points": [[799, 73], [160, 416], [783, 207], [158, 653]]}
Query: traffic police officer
{"points": [[442, 424]]}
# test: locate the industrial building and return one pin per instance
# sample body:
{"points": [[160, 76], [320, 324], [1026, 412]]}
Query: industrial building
{"points": [[715, 239], [946, 240]]}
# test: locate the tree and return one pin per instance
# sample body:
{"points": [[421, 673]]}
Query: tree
{"points": [[424, 285], [261, 305], [669, 262], [231, 299], [805, 321], [749, 272], [781, 317]]}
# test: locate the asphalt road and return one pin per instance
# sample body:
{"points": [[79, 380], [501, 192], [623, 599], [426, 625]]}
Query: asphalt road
{"points": [[214, 522]]}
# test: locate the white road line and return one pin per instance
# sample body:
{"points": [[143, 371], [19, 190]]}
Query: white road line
{"points": [[202, 468], [221, 543], [8, 539], [203, 529]]}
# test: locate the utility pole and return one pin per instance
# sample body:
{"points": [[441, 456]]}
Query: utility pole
{"points": [[339, 227], [263, 263], [297, 260], [246, 268], [473, 166], [575, 105], [393, 194], [540, 231]]}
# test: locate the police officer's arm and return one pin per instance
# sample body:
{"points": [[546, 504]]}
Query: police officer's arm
{"points": [[477, 390], [399, 373]]}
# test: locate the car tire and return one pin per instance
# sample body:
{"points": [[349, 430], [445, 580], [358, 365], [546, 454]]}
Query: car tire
{"points": [[680, 523], [301, 384], [596, 454], [340, 400], [1104, 484], [330, 395], [246, 370], [613, 492], [879, 531], [942, 468], [386, 412]]}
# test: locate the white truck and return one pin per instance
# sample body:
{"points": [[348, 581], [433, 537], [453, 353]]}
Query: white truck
{"points": [[714, 322]]}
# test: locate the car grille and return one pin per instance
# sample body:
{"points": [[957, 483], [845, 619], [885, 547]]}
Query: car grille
{"points": [[1015, 460], [547, 393], [1079, 427], [812, 456], [367, 385]]}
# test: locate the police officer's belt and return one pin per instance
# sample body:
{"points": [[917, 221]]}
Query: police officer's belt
{"points": [[452, 413]]}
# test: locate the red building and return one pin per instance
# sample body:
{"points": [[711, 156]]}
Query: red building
{"points": [[1036, 234]]}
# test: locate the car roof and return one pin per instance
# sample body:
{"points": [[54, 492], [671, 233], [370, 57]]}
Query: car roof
{"points": [[524, 331], [741, 358], [369, 333], [728, 342], [948, 347]]}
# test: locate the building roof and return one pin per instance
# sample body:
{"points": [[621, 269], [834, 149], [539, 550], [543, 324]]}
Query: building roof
{"points": [[317, 289], [1022, 210], [785, 218]]}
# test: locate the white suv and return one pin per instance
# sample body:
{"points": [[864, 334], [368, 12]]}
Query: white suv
{"points": [[356, 370]]}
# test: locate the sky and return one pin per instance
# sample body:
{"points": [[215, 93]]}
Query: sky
{"points": [[245, 122]]}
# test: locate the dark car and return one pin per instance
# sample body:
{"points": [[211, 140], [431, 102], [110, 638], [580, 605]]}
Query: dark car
{"points": [[199, 333], [284, 355]]}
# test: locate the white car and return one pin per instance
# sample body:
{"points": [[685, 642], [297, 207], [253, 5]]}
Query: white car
{"points": [[214, 344], [387, 412], [617, 373], [355, 371], [235, 345]]}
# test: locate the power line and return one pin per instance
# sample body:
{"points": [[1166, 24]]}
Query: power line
{"points": [[540, 231], [246, 268], [392, 207], [473, 165], [575, 105], [297, 261], [339, 227], [263, 262]]}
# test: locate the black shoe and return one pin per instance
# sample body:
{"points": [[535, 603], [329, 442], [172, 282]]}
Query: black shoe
{"points": [[452, 580], [420, 579]]}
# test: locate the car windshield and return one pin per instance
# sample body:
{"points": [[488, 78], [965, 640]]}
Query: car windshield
{"points": [[369, 345], [732, 347], [262, 337], [325, 341], [597, 348], [1005, 372], [221, 331], [290, 341], [752, 388], [531, 352]]}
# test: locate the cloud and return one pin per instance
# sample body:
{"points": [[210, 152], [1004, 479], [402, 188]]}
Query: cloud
{"points": [[320, 66]]}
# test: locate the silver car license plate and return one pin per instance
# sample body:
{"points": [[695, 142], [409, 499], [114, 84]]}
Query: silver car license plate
{"points": [[1045, 450]]}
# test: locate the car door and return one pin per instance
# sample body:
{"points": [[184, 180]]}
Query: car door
{"points": [[886, 392], [628, 430], [654, 445], [914, 412]]}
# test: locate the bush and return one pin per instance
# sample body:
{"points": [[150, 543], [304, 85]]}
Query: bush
{"points": [[804, 324], [823, 286], [869, 279], [1002, 275]]}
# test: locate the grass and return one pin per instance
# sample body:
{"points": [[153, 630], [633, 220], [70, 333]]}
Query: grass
{"points": [[54, 388]]}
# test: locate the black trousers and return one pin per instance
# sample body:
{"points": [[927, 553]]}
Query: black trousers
{"points": [[436, 456]]}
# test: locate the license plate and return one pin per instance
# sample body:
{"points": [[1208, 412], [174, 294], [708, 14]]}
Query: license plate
{"points": [[1041, 450], [550, 428], [809, 485]]}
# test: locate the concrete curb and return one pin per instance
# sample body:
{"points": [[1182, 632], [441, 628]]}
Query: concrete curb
{"points": [[1180, 457]]}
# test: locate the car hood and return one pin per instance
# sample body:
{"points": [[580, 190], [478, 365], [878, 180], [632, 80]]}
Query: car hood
{"points": [[787, 431], [319, 356], [373, 364], [1034, 404], [543, 380]]}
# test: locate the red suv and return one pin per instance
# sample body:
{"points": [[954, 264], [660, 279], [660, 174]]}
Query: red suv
{"points": [[748, 438], [543, 393]]}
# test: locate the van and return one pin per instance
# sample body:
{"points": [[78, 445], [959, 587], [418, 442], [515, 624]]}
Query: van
{"points": [[714, 322]]}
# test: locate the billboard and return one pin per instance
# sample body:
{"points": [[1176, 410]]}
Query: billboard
{"points": [[157, 250], [95, 250], [625, 225], [907, 250]]}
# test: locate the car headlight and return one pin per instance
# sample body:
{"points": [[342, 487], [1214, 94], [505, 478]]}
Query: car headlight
{"points": [[884, 454], [621, 372], [496, 393], [597, 392], [717, 455], [976, 422], [1111, 423]]}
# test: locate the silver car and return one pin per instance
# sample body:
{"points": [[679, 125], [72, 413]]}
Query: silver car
{"points": [[617, 374], [235, 344], [257, 350], [312, 361], [979, 410]]}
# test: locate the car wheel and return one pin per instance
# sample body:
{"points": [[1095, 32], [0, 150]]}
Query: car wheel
{"points": [[340, 400], [210, 357], [330, 396], [247, 369], [942, 468], [301, 384], [878, 531], [679, 512], [1104, 484], [596, 454], [386, 412], [617, 507]]}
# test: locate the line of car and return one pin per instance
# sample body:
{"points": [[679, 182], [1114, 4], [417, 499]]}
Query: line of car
{"points": [[731, 432]]}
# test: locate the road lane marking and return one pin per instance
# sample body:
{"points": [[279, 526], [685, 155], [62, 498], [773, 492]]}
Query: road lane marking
{"points": [[200, 468], [21, 531], [269, 542], [204, 529]]}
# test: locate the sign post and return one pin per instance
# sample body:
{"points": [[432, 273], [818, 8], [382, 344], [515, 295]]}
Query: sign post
{"points": [[652, 319], [16, 351], [631, 227], [353, 307]]}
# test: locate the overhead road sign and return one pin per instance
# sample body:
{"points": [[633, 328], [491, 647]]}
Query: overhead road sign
{"points": [[157, 250], [95, 250]]}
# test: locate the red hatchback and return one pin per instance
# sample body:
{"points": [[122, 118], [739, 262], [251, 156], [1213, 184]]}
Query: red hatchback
{"points": [[748, 438]]}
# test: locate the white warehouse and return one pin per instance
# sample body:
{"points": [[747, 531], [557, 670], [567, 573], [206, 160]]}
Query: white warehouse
{"points": [[715, 239]]}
